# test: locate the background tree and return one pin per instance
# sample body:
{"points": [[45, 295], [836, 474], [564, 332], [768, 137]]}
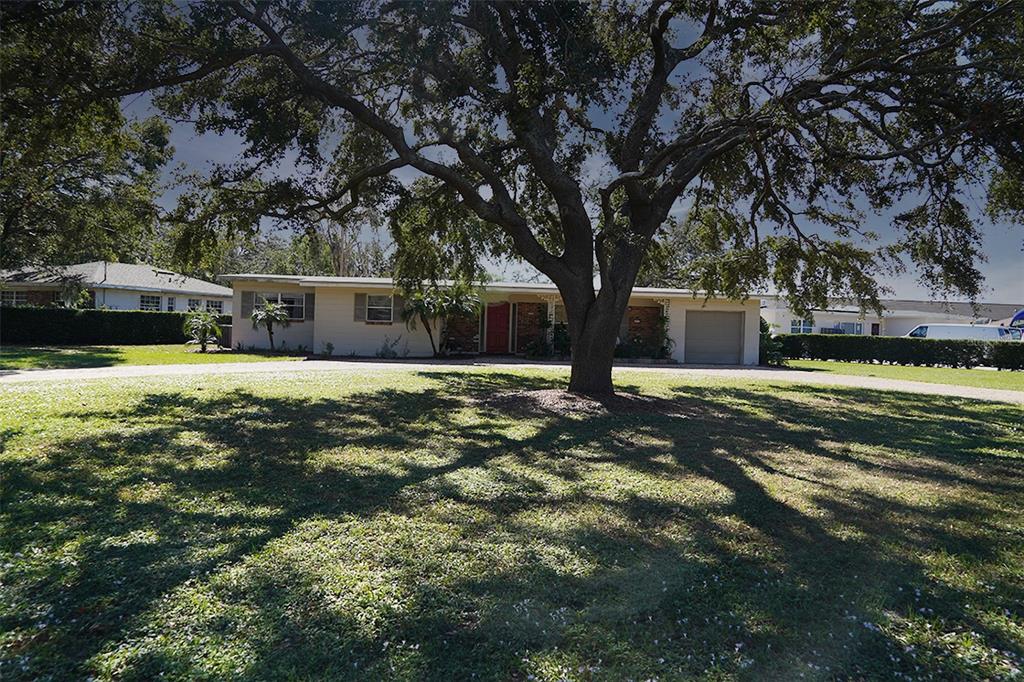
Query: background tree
{"points": [[77, 180], [267, 315], [574, 130]]}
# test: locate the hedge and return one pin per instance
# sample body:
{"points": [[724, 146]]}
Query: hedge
{"points": [[66, 327], [902, 350]]}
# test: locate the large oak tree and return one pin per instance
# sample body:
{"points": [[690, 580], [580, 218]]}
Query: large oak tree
{"points": [[576, 131]]}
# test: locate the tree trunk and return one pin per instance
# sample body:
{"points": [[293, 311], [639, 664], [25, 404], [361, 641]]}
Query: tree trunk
{"points": [[270, 333], [595, 321], [430, 333], [593, 332]]}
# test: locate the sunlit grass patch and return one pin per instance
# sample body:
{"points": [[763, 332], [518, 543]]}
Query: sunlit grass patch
{"points": [[410, 525]]}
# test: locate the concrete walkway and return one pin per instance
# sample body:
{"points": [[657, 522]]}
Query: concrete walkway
{"points": [[11, 377]]}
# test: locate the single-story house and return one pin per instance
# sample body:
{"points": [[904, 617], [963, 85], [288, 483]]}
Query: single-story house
{"points": [[898, 316], [359, 315], [116, 286]]}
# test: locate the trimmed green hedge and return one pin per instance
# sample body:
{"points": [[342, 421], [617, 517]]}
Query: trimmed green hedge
{"points": [[65, 327], [902, 350]]}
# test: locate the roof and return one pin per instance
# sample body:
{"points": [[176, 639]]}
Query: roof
{"points": [[109, 275], [388, 283]]}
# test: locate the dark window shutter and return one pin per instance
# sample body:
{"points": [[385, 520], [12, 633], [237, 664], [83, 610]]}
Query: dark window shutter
{"points": [[310, 306], [248, 297], [397, 308], [360, 311]]}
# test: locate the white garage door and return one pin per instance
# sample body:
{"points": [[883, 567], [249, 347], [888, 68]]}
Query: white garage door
{"points": [[713, 338]]}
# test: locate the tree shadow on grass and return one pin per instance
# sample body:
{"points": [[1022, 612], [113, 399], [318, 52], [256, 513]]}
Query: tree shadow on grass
{"points": [[45, 357], [425, 533]]}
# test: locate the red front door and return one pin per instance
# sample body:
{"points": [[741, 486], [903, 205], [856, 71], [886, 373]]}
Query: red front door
{"points": [[497, 327]]}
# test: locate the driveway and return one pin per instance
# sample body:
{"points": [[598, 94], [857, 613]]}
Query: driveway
{"points": [[11, 377]]}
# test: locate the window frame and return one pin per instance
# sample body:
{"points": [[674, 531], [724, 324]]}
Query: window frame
{"points": [[171, 301], [150, 309], [219, 309], [17, 298], [856, 328], [194, 304], [801, 326], [261, 297], [390, 308]]}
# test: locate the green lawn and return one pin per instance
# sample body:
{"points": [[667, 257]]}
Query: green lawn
{"points": [[65, 357], [982, 378], [453, 526]]}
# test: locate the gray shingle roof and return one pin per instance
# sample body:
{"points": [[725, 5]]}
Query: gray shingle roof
{"points": [[117, 276]]}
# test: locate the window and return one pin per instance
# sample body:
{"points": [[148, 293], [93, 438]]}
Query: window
{"points": [[379, 308], [801, 326], [216, 307], [294, 304], [170, 304], [919, 332], [195, 304], [149, 302], [12, 298], [1014, 334], [850, 327]]}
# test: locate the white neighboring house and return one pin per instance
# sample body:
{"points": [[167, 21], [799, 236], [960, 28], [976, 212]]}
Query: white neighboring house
{"points": [[357, 315], [898, 317], [116, 286]]}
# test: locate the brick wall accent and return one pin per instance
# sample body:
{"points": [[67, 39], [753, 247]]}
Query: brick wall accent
{"points": [[641, 324], [529, 317], [464, 334]]}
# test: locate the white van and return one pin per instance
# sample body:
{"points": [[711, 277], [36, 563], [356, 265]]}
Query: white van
{"points": [[975, 332]]}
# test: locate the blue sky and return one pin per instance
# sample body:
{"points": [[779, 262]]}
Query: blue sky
{"points": [[1003, 243]]}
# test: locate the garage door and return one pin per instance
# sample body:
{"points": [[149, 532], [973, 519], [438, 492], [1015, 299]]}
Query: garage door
{"points": [[713, 338]]}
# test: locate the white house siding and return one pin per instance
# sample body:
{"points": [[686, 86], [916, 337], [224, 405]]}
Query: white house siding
{"points": [[336, 324], [678, 308], [128, 299], [299, 333], [335, 321]]}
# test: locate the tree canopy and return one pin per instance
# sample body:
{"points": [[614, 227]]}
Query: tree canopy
{"points": [[574, 132], [77, 180]]}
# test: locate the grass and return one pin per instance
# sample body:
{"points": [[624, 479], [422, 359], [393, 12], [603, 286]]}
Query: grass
{"points": [[67, 357], [981, 378], [403, 525]]}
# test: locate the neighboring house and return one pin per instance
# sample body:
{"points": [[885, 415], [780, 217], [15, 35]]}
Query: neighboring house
{"points": [[898, 317], [358, 315], [117, 286]]}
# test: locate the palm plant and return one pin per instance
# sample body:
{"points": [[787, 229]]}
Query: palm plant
{"points": [[421, 306], [440, 304], [201, 327], [267, 315]]}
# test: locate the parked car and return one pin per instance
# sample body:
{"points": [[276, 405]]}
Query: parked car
{"points": [[1017, 321], [975, 332]]}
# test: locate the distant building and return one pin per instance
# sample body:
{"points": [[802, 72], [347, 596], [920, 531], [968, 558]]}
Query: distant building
{"points": [[116, 286], [898, 317]]}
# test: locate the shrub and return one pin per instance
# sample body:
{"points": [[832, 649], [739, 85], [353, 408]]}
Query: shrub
{"points": [[769, 347], [69, 327], [387, 349], [902, 350], [1008, 355]]}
